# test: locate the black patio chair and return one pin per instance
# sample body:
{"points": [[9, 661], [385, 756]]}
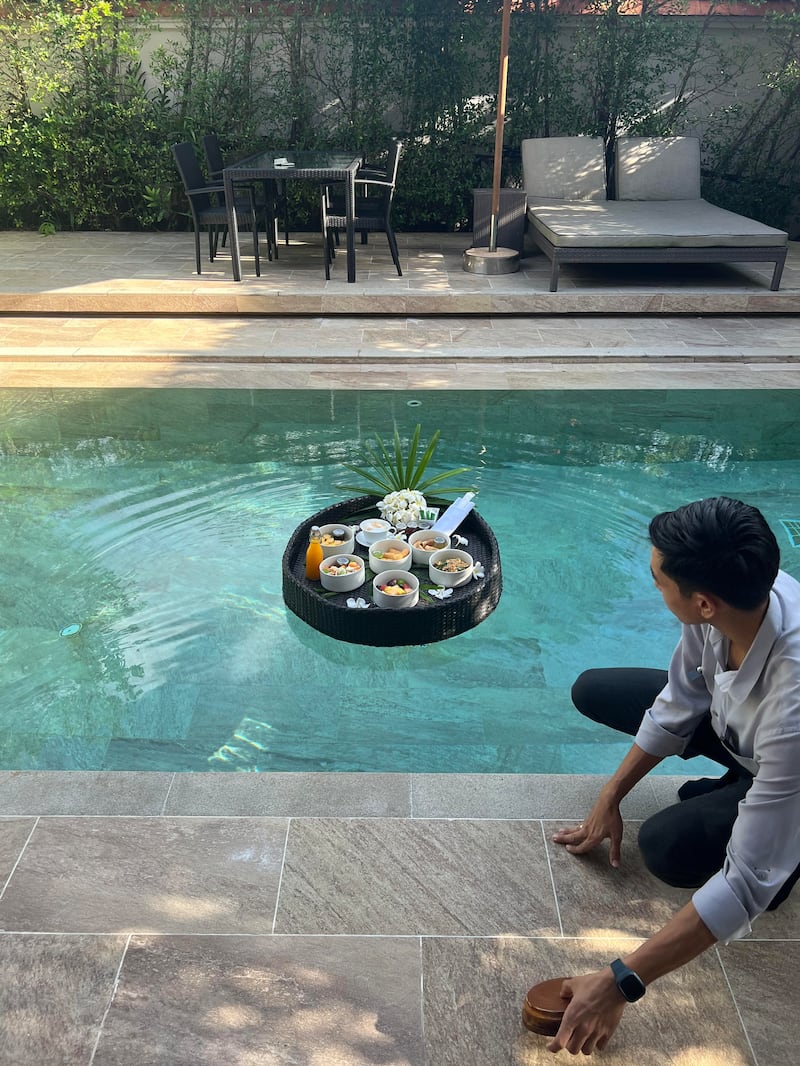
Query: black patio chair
{"points": [[273, 197], [372, 209], [207, 204]]}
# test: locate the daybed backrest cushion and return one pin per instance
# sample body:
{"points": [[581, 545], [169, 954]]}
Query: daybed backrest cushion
{"points": [[658, 168], [564, 168]]}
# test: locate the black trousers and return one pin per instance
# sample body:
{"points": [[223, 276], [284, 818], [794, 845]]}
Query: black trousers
{"points": [[684, 844]]}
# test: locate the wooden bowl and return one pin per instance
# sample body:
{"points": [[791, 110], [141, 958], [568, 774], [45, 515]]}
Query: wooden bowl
{"points": [[544, 1006]]}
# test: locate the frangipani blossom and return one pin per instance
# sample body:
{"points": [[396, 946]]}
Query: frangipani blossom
{"points": [[402, 508], [441, 594], [357, 603], [478, 571]]}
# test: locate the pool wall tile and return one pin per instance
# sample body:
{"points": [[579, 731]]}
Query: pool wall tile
{"points": [[83, 792], [280, 1000], [53, 996], [517, 796], [170, 875], [474, 989], [405, 877], [341, 795], [597, 899]]}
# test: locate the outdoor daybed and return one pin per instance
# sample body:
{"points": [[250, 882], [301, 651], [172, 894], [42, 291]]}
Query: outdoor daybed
{"points": [[657, 217]]}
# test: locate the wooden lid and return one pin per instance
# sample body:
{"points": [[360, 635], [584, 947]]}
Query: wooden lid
{"points": [[544, 1007]]}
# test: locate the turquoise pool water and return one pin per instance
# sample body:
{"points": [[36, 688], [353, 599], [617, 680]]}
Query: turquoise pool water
{"points": [[156, 521]]}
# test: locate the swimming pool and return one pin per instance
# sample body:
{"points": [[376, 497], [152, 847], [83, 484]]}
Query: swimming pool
{"points": [[155, 520]]}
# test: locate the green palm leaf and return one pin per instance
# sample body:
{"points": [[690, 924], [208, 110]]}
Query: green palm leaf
{"points": [[387, 471]]}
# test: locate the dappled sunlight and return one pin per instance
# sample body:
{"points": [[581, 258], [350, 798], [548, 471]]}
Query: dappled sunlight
{"points": [[188, 909], [703, 1055], [254, 1000], [234, 1016]]}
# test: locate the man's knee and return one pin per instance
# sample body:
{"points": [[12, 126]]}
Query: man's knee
{"points": [[673, 853], [656, 851], [585, 693]]}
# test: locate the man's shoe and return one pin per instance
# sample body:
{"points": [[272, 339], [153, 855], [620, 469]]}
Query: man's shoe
{"points": [[706, 784]]}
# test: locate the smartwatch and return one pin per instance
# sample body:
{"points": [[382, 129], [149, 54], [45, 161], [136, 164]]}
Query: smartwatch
{"points": [[630, 984]]}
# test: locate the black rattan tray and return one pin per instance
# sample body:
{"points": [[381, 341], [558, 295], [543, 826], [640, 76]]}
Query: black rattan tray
{"points": [[429, 621]]}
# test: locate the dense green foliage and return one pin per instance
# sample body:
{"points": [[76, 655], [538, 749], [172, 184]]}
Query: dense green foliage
{"points": [[86, 130]]}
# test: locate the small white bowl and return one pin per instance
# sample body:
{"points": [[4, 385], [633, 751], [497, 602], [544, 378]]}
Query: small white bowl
{"points": [[422, 556], [379, 566], [441, 577], [386, 599], [342, 582], [345, 545]]}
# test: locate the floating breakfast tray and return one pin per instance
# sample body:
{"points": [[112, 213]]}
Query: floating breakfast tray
{"points": [[428, 621]]}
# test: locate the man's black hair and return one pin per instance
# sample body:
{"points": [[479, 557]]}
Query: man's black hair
{"points": [[720, 546]]}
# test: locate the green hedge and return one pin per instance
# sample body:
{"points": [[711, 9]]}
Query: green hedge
{"points": [[85, 137]]}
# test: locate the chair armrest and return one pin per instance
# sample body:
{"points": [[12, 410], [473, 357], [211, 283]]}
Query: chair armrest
{"points": [[373, 181], [205, 188]]}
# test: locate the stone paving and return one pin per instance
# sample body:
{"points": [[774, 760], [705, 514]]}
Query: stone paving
{"points": [[345, 920], [341, 920]]}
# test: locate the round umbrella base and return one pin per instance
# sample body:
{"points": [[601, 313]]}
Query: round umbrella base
{"points": [[484, 261]]}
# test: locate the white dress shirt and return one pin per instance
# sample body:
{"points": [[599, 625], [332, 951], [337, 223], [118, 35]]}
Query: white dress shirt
{"points": [[755, 711]]}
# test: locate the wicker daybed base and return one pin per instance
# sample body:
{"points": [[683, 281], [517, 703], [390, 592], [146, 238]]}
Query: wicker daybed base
{"points": [[563, 253], [429, 621]]}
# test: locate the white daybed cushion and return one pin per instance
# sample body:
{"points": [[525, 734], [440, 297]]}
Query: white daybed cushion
{"points": [[658, 168], [564, 168], [647, 224]]}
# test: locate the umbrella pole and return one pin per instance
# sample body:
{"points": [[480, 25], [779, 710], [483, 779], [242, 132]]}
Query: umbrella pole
{"points": [[494, 260]]}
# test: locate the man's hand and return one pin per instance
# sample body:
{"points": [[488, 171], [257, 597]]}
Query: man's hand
{"points": [[604, 822], [594, 1012]]}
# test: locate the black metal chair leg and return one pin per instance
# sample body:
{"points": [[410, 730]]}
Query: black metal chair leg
{"points": [[393, 248], [254, 223]]}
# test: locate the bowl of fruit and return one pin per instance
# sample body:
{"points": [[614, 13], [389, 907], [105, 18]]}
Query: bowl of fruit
{"points": [[391, 554], [395, 589]]}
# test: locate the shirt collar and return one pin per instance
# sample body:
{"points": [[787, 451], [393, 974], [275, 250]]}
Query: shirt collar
{"points": [[768, 632]]}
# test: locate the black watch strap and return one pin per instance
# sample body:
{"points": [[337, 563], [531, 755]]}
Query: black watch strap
{"points": [[630, 984]]}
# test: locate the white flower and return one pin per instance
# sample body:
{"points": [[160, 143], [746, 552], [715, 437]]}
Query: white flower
{"points": [[402, 508], [459, 542], [357, 603], [477, 570], [441, 594]]}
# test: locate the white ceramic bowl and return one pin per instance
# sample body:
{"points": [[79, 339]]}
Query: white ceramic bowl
{"points": [[379, 566], [374, 529], [353, 579], [386, 599], [441, 577], [346, 541], [422, 556]]}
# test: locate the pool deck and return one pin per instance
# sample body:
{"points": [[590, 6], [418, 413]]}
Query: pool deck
{"points": [[345, 919], [126, 309], [349, 919]]}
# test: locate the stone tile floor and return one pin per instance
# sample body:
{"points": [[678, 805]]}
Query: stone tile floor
{"points": [[126, 309], [340, 920], [344, 919]]}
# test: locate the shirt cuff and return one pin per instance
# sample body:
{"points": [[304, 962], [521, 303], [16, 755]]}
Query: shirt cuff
{"points": [[720, 910], [655, 740]]}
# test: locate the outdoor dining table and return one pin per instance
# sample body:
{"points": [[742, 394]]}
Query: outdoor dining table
{"points": [[319, 167]]}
